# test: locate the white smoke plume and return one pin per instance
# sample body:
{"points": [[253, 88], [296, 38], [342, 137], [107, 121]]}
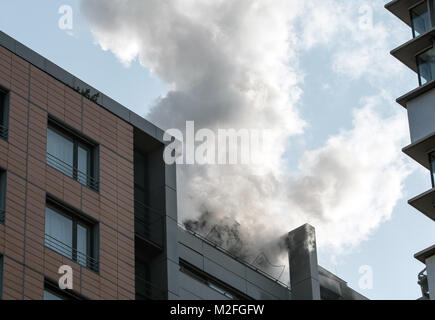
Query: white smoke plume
{"points": [[236, 64]]}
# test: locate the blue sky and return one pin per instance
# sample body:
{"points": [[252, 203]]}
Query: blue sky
{"points": [[327, 105]]}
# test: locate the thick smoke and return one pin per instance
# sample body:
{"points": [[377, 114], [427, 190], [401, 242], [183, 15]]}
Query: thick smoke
{"points": [[235, 64]]}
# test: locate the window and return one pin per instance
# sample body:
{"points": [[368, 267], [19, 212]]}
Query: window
{"points": [[72, 155], [4, 113], [53, 292], [2, 195], [432, 167], [420, 19], [426, 66], [71, 236]]}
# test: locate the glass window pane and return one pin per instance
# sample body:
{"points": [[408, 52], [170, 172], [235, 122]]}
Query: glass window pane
{"points": [[51, 296], [83, 162], [82, 244], [432, 168], [58, 233], [420, 19], [426, 65], [60, 152]]}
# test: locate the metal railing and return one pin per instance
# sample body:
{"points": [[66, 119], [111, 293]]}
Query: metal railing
{"points": [[2, 216], [4, 132], [72, 172], [145, 290], [422, 281], [71, 253], [228, 253], [148, 223]]}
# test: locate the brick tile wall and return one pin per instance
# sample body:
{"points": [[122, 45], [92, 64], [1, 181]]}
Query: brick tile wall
{"points": [[35, 95]]}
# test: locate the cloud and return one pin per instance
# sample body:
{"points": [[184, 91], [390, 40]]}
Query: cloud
{"points": [[236, 64]]}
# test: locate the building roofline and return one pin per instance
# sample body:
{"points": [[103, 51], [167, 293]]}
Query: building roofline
{"points": [[72, 81], [423, 255]]}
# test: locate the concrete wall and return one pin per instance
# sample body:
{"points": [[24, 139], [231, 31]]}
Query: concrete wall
{"points": [[223, 267], [421, 115]]}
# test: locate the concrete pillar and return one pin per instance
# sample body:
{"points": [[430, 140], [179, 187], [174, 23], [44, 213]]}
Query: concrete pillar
{"points": [[304, 269], [430, 269]]}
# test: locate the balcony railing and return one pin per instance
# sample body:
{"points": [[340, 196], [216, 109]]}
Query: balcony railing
{"points": [[422, 281], [72, 172], [2, 216], [71, 253], [4, 131], [148, 223], [230, 254], [146, 290]]}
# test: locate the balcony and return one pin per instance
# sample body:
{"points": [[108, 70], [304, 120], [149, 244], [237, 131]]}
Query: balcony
{"points": [[72, 172], [423, 283], [407, 52], [71, 253], [149, 224], [420, 150], [3, 132], [425, 203], [146, 290], [400, 8]]}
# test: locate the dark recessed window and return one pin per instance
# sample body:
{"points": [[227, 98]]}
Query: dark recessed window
{"points": [[426, 66], [71, 235], [73, 155], [2, 195], [4, 114], [420, 18]]}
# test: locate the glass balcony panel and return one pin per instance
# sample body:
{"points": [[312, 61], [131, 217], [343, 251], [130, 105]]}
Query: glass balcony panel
{"points": [[426, 66], [420, 19]]}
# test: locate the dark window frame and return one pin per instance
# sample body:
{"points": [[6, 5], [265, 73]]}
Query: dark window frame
{"points": [[78, 218], [78, 140], [4, 113], [3, 187]]}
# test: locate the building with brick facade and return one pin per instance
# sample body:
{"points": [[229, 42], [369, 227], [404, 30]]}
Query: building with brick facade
{"points": [[83, 184]]}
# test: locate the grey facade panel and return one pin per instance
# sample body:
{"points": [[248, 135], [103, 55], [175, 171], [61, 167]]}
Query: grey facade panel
{"points": [[199, 290], [266, 285], [224, 275], [171, 204], [190, 241], [258, 294], [421, 115], [194, 258], [224, 260]]}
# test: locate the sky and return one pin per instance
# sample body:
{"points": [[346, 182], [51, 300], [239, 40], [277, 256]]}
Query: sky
{"points": [[324, 66]]}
